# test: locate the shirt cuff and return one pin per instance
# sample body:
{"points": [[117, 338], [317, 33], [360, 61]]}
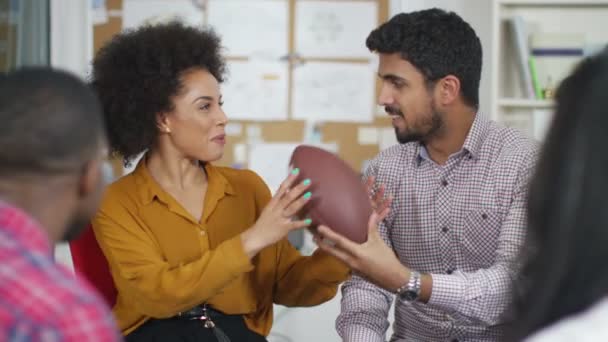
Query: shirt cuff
{"points": [[358, 333], [234, 255], [448, 291]]}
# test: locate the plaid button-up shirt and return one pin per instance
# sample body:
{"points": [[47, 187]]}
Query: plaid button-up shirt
{"points": [[462, 222], [40, 300]]}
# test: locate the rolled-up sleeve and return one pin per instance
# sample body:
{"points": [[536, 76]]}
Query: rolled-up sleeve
{"points": [[365, 307]]}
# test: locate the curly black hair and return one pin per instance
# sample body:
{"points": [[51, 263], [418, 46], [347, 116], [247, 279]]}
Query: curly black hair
{"points": [[137, 73], [437, 43]]}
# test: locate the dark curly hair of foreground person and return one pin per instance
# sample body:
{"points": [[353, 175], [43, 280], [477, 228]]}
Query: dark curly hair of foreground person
{"points": [[138, 72]]}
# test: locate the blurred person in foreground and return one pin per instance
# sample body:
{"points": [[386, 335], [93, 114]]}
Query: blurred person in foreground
{"points": [[565, 293], [52, 149]]}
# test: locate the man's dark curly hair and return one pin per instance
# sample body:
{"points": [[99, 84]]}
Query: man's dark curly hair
{"points": [[137, 73], [437, 43]]}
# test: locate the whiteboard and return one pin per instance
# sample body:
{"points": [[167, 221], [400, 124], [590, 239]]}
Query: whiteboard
{"points": [[334, 29], [326, 91]]}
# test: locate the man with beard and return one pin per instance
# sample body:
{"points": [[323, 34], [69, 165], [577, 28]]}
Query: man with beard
{"points": [[447, 249], [52, 146]]}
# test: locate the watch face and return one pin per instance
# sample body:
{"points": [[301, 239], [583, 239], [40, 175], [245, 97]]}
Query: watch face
{"points": [[409, 295]]}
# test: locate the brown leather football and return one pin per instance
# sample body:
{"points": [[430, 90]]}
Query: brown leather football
{"points": [[339, 198]]}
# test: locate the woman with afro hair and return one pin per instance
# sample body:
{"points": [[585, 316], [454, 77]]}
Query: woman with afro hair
{"points": [[197, 252]]}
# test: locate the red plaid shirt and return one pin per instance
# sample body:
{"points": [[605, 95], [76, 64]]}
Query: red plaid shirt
{"points": [[39, 299]]}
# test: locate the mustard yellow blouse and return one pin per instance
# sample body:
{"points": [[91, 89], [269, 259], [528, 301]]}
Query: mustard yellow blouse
{"points": [[163, 261]]}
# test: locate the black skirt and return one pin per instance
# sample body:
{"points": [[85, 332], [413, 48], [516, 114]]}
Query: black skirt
{"points": [[180, 330]]}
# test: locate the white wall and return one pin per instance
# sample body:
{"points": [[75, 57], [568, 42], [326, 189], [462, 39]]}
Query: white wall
{"points": [[71, 48], [478, 14], [71, 35]]}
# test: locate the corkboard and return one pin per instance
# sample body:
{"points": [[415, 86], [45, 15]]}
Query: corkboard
{"points": [[344, 134], [8, 33]]}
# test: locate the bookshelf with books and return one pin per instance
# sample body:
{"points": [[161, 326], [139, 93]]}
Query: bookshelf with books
{"points": [[535, 43]]}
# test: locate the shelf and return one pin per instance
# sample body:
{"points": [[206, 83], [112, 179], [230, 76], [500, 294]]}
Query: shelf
{"points": [[524, 103], [578, 3]]}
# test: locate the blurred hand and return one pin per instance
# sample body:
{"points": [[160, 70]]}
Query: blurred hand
{"points": [[377, 200], [278, 217]]}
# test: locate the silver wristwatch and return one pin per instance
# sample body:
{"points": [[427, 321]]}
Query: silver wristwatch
{"points": [[411, 291]]}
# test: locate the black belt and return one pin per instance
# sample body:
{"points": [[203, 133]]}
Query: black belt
{"points": [[207, 315], [201, 312]]}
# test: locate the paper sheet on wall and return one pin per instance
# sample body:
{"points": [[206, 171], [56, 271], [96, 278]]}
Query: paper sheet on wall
{"points": [[240, 154], [251, 27], [386, 138], [100, 12], [256, 90], [333, 92], [271, 161], [334, 28], [234, 129], [367, 135], [141, 12]]}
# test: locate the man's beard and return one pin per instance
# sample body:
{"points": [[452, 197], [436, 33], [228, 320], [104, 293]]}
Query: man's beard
{"points": [[431, 125]]}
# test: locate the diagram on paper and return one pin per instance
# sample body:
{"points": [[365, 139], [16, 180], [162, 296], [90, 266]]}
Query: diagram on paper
{"points": [[334, 92], [334, 29]]}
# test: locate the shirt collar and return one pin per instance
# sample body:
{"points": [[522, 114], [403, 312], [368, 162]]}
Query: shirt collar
{"points": [[472, 143], [422, 154], [148, 189], [477, 135]]}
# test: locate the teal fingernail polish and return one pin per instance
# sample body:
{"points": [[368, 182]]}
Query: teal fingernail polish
{"points": [[307, 195], [295, 171], [308, 221], [306, 181]]}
